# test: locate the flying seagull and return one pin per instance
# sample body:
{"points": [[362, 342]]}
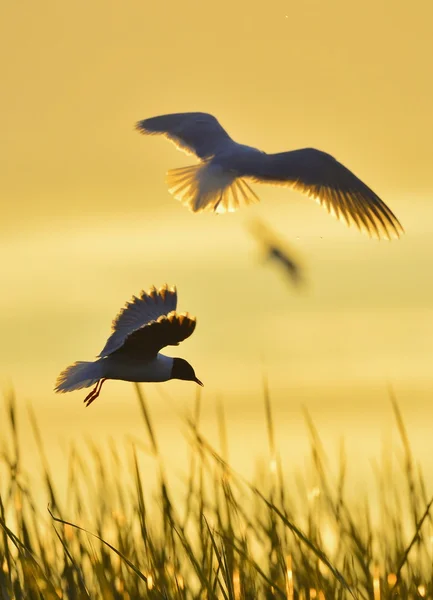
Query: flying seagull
{"points": [[219, 182], [276, 251], [147, 324]]}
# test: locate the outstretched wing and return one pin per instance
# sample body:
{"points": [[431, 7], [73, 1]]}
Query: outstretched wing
{"points": [[167, 330], [145, 308], [323, 178], [193, 132]]}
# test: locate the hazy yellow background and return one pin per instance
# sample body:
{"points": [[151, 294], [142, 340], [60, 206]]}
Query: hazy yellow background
{"points": [[87, 220]]}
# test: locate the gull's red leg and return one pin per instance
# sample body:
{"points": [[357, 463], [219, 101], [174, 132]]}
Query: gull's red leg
{"points": [[94, 393], [90, 394]]}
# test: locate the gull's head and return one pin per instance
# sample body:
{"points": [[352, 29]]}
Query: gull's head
{"points": [[182, 370]]}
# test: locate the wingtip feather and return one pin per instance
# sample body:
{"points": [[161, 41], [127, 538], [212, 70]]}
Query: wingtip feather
{"points": [[143, 128]]}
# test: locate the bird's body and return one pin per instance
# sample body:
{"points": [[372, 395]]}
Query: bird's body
{"points": [[127, 369], [275, 251], [286, 262], [219, 183], [148, 323]]}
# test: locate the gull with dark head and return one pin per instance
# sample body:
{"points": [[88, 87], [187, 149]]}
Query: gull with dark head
{"points": [[147, 324], [219, 182]]}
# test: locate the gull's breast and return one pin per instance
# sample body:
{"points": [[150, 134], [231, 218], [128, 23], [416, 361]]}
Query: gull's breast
{"points": [[240, 159], [139, 370]]}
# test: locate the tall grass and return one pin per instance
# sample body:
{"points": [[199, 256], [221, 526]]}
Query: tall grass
{"points": [[227, 538]]}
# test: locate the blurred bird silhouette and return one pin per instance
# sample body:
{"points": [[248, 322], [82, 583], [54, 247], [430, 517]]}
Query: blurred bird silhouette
{"points": [[146, 325], [278, 252], [219, 182]]}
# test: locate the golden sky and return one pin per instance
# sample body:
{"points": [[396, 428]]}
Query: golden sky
{"points": [[87, 220]]}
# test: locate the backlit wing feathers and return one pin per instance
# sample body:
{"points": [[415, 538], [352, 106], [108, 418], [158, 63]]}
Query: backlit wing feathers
{"points": [[141, 310], [167, 330], [320, 176], [194, 132]]}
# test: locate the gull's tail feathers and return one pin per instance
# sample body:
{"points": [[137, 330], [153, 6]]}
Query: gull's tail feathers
{"points": [[209, 187], [78, 376]]}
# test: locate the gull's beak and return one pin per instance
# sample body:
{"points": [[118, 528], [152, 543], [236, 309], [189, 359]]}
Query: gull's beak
{"points": [[199, 382]]}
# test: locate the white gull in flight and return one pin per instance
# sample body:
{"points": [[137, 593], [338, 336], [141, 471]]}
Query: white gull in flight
{"points": [[219, 182], [147, 324]]}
